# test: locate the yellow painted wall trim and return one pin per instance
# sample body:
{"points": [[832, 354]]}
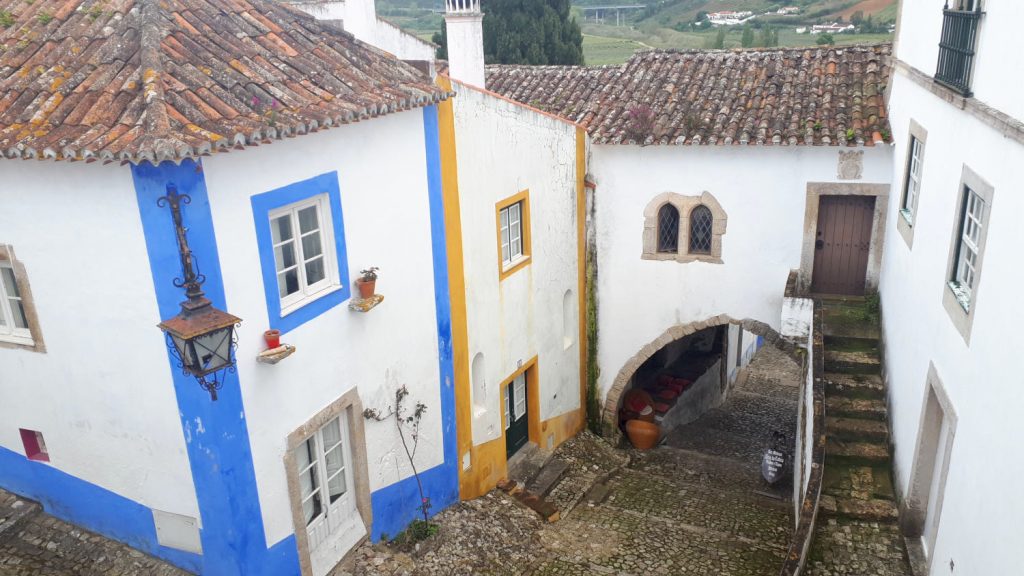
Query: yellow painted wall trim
{"points": [[524, 226], [457, 289]]}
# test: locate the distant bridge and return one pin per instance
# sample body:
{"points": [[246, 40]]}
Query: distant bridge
{"points": [[600, 13]]}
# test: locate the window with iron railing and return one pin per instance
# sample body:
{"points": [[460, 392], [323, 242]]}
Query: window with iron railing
{"points": [[957, 46]]}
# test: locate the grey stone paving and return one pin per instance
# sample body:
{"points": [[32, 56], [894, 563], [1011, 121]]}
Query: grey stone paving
{"points": [[41, 545], [696, 510]]}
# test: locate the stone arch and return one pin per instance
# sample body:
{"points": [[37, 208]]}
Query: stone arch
{"points": [[684, 205], [613, 400]]}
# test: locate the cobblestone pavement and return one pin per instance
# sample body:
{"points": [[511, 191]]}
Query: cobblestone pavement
{"points": [[33, 543], [696, 507]]}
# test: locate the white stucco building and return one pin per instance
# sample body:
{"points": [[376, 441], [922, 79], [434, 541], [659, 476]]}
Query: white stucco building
{"points": [[281, 473], [949, 283], [700, 211]]}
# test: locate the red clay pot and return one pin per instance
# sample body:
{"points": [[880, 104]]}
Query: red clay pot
{"points": [[643, 435], [366, 287], [273, 338]]}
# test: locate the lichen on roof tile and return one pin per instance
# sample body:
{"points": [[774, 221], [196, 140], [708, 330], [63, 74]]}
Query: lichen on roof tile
{"points": [[134, 80]]}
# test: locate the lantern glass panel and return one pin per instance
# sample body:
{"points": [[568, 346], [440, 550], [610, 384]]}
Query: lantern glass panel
{"points": [[213, 350], [181, 347]]}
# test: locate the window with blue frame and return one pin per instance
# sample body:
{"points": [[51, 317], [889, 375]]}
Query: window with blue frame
{"points": [[301, 237]]}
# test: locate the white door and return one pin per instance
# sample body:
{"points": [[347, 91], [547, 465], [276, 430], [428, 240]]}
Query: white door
{"points": [[333, 524], [931, 519]]}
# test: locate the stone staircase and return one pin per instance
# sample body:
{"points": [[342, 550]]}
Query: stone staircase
{"points": [[858, 513]]}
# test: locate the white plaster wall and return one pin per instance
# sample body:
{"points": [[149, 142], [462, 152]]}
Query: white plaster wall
{"points": [[102, 394], [982, 380], [381, 168], [402, 44], [996, 76], [763, 191], [359, 18], [504, 148], [466, 49]]}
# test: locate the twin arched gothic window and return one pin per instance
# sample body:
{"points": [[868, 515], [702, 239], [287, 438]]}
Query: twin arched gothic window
{"points": [[684, 228]]}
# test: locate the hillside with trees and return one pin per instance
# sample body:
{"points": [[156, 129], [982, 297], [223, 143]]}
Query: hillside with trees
{"points": [[527, 32]]}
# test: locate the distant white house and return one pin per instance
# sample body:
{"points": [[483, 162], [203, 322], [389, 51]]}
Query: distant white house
{"points": [[833, 28], [788, 10], [801, 30], [730, 18]]}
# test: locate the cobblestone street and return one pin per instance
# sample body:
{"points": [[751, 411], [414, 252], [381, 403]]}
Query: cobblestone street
{"points": [[33, 543], [696, 506]]}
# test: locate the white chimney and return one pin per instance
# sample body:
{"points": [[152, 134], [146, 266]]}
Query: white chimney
{"points": [[465, 29]]}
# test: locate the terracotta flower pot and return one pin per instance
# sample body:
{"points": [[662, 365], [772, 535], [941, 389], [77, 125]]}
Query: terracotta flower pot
{"points": [[877, 137], [366, 288], [643, 435], [273, 338]]}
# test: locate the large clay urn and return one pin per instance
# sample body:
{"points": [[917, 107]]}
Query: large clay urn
{"points": [[643, 435]]}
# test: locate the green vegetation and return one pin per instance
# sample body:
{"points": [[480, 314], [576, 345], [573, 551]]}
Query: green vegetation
{"points": [[673, 24], [527, 32], [6, 19], [601, 50], [825, 39], [44, 18]]}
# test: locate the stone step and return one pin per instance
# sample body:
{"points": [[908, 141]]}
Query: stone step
{"points": [[851, 343], [856, 429], [844, 479], [854, 385], [852, 362], [867, 452], [847, 319], [864, 408], [545, 509], [548, 477], [525, 464], [874, 510]]}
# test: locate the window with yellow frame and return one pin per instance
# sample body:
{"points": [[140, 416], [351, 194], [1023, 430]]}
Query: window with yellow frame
{"points": [[513, 224]]}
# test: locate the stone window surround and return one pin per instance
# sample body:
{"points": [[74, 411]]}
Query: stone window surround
{"points": [[914, 508], [27, 301], [351, 403], [815, 190], [904, 223], [685, 206], [964, 319]]}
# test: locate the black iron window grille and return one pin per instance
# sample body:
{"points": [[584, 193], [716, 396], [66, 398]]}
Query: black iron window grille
{"points": [[668, 229], [700, 230], [956, 48]]}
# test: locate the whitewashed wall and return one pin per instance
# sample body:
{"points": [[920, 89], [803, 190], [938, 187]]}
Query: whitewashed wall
{"points": [[982, 380], [763, 192], [504, 148], [359, 18], [997, 70], [381, 168], [102, 393]]}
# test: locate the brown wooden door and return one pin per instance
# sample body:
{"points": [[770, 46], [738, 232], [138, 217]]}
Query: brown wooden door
{"points": [[842, 244]]}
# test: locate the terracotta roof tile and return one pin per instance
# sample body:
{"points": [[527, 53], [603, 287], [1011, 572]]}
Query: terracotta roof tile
{"points": [[134, 80], [783, 96]]}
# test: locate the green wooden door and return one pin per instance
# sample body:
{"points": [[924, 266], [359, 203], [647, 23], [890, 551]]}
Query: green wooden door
{"points": [[517, 430]]}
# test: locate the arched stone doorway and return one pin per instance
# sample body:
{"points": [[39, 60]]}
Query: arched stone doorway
{"points": [[613, 400]]}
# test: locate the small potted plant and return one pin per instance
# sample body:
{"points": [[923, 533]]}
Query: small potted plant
{"points": [[367, 282], [273, 338]]}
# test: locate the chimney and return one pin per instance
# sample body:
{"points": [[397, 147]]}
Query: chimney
{"points": [[464, 23]]}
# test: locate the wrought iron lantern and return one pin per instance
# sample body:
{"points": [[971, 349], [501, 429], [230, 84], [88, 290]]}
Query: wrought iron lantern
{"points": [[201, 337]]}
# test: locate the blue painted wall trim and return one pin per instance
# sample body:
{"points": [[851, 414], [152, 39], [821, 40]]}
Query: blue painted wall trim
{"points": [[262, 204], [87, 505], [216, 434], [396, 505]]}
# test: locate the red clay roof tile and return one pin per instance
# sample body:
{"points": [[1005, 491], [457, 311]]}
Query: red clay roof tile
{"points": [[136, 80], [781, 96]]}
